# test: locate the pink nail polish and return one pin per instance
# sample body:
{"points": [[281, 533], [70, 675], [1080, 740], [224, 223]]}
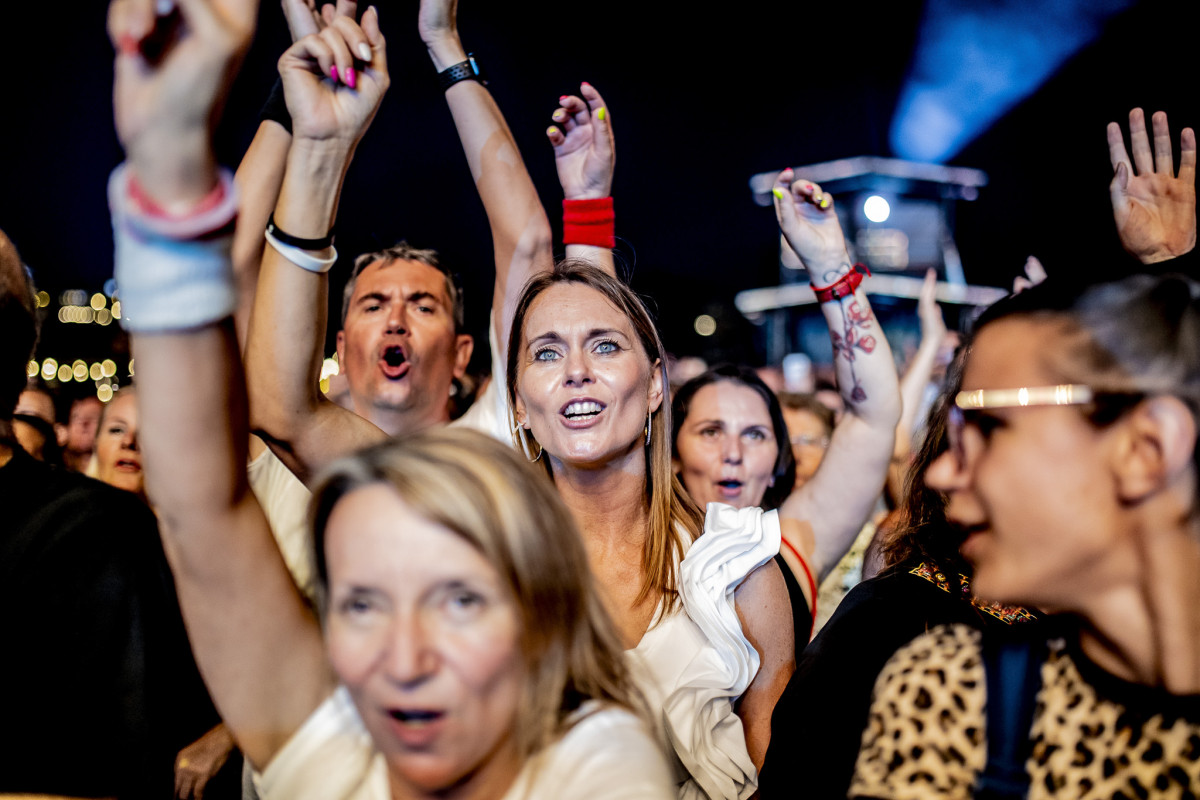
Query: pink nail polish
{"points": [[351, 78], [585, 83], [333, 73], [562, 98], [808, 187]]}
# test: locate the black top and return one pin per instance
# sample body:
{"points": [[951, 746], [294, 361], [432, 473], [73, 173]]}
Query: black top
{"points": [[817, 725], [100, 689], [802, 619]]}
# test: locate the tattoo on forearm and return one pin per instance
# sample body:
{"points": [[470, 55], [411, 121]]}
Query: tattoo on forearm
{"points": [[855, 320]]}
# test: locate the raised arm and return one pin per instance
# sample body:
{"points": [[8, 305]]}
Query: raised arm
{"points": [[260, 173], [585, 156], [257, 645], [916, 378], [521, 239], [333, 91], [836, 502], [1155, 209]]}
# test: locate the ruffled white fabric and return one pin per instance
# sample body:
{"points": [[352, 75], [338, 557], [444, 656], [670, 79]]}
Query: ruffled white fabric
{"points": [[697, 662]]}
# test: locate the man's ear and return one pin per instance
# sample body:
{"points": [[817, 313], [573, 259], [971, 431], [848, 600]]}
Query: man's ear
{"points": [[1156, 447], [341, 346], [464, 345]]}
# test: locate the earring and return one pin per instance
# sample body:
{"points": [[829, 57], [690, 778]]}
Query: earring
{"points": [[648, 427], [525, 445]]}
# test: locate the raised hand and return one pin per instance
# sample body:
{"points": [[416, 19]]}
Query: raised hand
{"points": [[933, 324], [334, 80], [583, 145], [1154, 209], [437, 19], [810, 225], [304, 18], [171, 75]]}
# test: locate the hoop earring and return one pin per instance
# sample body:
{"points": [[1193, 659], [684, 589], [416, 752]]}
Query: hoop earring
{"points": [[648, 413], [525, 446]]}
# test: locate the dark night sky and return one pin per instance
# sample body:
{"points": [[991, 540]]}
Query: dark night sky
{"points": [[700, 101]]}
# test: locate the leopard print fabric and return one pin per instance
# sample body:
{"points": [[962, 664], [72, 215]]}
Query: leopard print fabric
{"points": [[925, 737]]}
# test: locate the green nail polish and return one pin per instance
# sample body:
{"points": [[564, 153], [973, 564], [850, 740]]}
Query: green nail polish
{"points": [[601, 113], [777, 192]]}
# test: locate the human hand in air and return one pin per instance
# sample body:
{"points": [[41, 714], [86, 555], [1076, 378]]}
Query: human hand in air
{"points": [[1034, 274], [933, 324], [437, 20], [809, 223], [584, 151], [305, 18], [334, 80], [171, 75], [1155, 210]]}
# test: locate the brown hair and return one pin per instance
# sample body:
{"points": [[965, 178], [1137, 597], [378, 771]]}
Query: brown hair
{"points": [[512, 515], [673, 514], [403, 251], [1129, 338]]}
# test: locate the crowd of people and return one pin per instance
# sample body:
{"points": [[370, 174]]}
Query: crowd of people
{"points": [[590, 583]]}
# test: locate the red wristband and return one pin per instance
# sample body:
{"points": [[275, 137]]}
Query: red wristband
{"points": [[843, 286], [589, 222]]}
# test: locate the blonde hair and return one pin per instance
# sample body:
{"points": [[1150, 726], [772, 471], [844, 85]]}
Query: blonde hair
{"points": [[673, 514], [486, 493]]}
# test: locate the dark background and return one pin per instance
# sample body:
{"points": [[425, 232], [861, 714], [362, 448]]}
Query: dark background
{"points": [[700, 100]]}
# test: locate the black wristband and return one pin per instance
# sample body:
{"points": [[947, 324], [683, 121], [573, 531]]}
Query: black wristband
{"points": [[296, 241], [462, 71], [275, 109]]}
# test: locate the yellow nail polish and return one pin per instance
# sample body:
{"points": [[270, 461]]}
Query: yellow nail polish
{"points": [[777, 192], [601, 113], [825, 201]]}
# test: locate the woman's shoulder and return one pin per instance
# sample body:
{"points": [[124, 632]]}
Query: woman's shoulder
{"points": [[607, 752], [933, 683]]}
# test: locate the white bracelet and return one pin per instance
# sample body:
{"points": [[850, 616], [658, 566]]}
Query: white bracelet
{"points": [[304, 259], [172, 274]]}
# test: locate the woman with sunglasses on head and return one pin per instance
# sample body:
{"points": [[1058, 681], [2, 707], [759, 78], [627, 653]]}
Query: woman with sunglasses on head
{"points": [[1072, 473]]}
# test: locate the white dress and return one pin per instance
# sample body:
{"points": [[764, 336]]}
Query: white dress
{"points": [[693, 665], [608, 755]]}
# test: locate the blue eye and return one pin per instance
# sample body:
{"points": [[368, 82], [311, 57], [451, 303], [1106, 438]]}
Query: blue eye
{"points": [[607, 346], [756, 435], [545, 354]]}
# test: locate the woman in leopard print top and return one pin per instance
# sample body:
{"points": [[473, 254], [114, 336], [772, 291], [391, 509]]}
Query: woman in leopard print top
{"points": [[1073, 473]]}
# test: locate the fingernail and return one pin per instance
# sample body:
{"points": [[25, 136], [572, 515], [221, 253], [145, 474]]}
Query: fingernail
{"points": [[585, 83], [364, 51], [551, 130], [824, 201], [333, 73], [562, 98], [351, 80], [127, 45], [777, 192], [808, 187], [602, 113]]}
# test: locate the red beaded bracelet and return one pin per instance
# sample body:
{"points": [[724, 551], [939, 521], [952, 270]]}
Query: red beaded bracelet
{"points": [[589, 222], [843, 286]]}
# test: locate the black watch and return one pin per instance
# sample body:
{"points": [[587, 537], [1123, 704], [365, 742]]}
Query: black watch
{"points": [[462, 71]]}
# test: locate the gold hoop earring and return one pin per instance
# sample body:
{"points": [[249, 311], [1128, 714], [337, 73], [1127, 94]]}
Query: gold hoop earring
{"points": [[648, 417], [525, 446]]}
